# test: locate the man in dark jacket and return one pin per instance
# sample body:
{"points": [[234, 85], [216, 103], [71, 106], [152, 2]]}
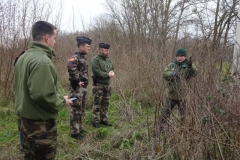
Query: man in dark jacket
{"points": [[37, 97], [78, 77], [102, 69], [176, 73]]}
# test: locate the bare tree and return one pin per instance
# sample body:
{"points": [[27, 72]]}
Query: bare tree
{"points": [[16, 19], [236, 57]]}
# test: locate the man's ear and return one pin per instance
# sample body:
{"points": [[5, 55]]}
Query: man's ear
{"points": [[81, 46], [46, 38]]}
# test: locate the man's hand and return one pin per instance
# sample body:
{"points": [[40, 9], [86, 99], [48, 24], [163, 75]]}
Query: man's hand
{"points": [[175, 74], [68, 102], [81, 84], [111, 74], [189, 62]]}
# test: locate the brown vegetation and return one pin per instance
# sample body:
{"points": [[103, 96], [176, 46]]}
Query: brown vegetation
{"points": [[144, 36]]}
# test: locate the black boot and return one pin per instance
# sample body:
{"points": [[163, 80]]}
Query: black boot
{"points": [[106, 123], [82, 131], [96, 125], [77, 136]]}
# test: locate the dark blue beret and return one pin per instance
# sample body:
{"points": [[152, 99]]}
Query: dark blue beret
{"points": [[181, 52], [104, 45], [83, 39]]}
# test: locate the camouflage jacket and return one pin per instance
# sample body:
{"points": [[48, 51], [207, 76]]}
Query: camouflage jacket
{"points": [[36, 87], [78, 69], [176, 83], [101, 66]]}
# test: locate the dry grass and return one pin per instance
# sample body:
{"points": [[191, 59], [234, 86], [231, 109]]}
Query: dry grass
{"points": [[211, 130]]}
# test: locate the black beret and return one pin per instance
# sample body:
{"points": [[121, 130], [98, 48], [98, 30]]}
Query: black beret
{"points": [[181, 52], [83, 39], [104, 45]]}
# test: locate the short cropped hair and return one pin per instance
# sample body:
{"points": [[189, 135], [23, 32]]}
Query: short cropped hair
{"points": [[42, 28]]}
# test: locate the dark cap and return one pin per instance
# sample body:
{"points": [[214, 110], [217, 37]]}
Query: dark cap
{"points": [[83, 39], [104, 45], [181, 52]]}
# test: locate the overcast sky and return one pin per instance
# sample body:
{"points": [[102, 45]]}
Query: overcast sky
{"points": [[87, 9]]}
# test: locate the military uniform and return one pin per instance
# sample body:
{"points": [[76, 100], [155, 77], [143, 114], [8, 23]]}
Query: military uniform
{"points": [[101, 66], [175, 74], [78, 71], [37, 105]]}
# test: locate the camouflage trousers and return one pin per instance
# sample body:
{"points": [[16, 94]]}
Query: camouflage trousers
{"points": [[102, 95], [39, 138], [169, 106], [77, 109]]}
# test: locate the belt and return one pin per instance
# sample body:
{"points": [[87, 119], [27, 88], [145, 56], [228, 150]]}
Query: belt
{"points": [[100, 84]]}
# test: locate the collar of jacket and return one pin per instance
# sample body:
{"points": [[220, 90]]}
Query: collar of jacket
{"points": [[37, 45], [81, 53], [102, 55], [180, 64]]}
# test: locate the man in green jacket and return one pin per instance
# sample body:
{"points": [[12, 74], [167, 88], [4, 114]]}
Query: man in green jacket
{"points": [[102, 69], [177, 74], [37, 97]]}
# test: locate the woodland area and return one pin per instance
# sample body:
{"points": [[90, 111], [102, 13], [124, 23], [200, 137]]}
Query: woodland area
{"points": [[144, 36]]}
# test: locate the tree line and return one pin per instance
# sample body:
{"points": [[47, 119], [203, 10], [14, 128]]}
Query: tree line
{"points": [[144, 35]]}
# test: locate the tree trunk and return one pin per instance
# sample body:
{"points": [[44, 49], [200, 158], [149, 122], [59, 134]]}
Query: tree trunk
{"points": [[236, 54]]}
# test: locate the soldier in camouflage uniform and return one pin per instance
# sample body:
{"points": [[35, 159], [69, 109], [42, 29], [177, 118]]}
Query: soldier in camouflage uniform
{"points": [[175, 74], [102, 69], [37, 97], [78, 77]]}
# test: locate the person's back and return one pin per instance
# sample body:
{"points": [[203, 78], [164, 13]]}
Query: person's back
{"points": [[37, 100], [34, 72]]}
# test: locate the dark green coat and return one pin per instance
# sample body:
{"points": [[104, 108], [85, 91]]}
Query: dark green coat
{"points": [[101, 66], [36, 87], [174, 82]]}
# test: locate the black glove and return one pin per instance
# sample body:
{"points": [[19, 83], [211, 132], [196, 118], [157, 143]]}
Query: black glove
{"points": [[189, 62]]}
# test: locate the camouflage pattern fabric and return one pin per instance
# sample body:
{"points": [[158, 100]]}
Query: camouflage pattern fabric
{"points": [[102, 95], [175, 83], [39, 138], [177, 87], [84, 100], [77, 109], [78, 71], [169, 106]]}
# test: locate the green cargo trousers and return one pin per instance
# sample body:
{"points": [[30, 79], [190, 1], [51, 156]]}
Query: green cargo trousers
{"points": [[169, 106], [39, 138], [102, 95]]}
